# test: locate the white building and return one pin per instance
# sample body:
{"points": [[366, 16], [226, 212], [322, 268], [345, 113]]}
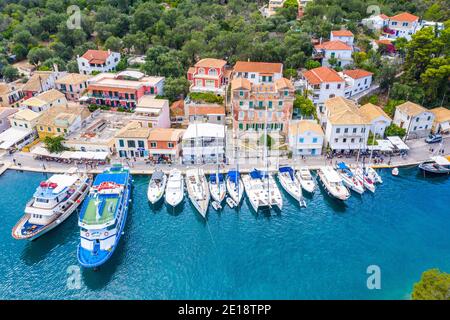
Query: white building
{"points": [[402, 25], [378, 119], [345, 36], [258, 72], [417, 120], [346, 127], [306, 138], [441, 120], [152, 113], [203, 143], [97, 60], [45, 100], [334, 49], [356, 81], [322, 84], [22, 131], [5, 112], [376, 22]]}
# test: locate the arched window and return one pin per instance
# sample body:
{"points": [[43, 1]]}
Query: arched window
{"points": [[201, 71], [212, 72]]}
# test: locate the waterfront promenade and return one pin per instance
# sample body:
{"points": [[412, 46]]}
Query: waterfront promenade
{"points": [[419, 151]]}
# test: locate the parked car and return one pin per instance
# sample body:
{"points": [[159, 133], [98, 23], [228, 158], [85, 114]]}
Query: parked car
{"points": [[433, 138]]}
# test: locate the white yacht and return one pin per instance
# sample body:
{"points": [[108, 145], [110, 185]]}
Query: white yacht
{"points": [[175, 188], [349, 179], [306, 180], [290, 183], [53, 202], [197, 187], [235, 187], [217, 187], [156, 186], [332, 183]]}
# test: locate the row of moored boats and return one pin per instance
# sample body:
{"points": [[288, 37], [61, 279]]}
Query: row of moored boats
{"points": [[105, 200]]}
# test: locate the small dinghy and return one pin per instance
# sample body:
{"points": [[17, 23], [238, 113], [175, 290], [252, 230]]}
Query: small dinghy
{"points": [[216, 205], [231, 203], [395, 172]]}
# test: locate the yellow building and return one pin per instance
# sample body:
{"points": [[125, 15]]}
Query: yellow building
{"points": [[61, 120]]}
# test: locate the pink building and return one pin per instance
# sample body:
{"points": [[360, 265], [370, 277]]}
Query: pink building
{"points": [[208, 75], [123, 89]]}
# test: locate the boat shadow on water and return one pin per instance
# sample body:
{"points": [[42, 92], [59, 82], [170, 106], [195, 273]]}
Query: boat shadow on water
{"points": [[37, 250], [338, 206], [175, 211], [156, 207]]}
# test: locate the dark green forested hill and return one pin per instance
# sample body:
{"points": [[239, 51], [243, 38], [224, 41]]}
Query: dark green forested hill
{"points": [[174, 34]]}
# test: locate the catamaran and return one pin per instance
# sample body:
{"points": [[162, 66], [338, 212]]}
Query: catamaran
{"points": [[198, 191], [103, 216], [217, 187], [156, 186], [254, 188], [367, 181], [175, 188], [290, 183], [332, 183], [53, 202], [350, 180], [306, 180], [275, 198], [235, 187]]}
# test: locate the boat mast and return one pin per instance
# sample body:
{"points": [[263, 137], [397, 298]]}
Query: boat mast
{"points": [[217, 160], [266, 154]]}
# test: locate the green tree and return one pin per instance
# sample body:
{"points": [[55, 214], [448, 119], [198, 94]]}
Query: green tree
{"points": [[304, 106], [433, 285], [10, 73], [113, 44], [311, 64], [176, 88], [38, 55], [54, 144], [394, 130]]}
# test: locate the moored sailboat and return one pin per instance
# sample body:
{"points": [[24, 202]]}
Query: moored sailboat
{"points": [[217, 187], [290, 183], [198, 191], [350, 180], [256, 193], [235, 187]]}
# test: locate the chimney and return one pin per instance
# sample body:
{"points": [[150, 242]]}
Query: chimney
{"points": [[55, 67]]}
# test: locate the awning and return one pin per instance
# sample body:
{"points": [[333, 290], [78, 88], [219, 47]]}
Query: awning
{"points": [[398, 143], [12, 136]]}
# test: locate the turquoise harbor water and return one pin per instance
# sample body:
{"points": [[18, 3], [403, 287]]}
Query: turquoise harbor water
{"points": [[320, 252]]}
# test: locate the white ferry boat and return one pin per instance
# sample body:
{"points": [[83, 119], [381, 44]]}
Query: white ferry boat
{"points": [[53, 202]]}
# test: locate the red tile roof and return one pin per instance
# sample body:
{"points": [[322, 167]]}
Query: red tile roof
{"points": [[333, 45], [357, 73], [205, 110], [96, 56], [322, 74], [261, 67], [211, 63], [342, 33], [405, 16], [384, 17]]}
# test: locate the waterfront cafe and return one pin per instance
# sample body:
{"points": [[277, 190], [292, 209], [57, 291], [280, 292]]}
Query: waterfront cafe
{"points": [[399, 145], [69, 156]]}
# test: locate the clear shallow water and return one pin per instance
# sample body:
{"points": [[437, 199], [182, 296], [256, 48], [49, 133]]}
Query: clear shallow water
{"points": [[320, 252]]}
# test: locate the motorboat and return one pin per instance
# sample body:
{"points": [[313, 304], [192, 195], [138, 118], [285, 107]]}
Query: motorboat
{"points": [[306, 179], [374, 175], [437, 165], [332, 182], [54, 200], [175, 188], [395, 172], [156, 186]]}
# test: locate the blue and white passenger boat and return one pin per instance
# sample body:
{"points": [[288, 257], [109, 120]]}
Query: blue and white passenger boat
{"points": [[103, 216], [54, 200]]}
